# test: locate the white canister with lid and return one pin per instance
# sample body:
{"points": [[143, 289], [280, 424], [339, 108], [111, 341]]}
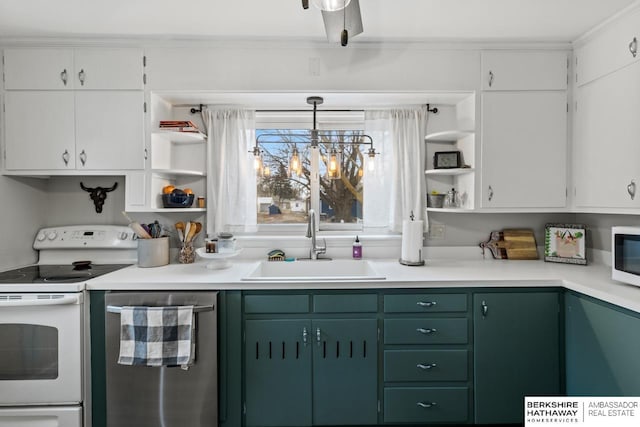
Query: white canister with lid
{"points": [[226, 243]]}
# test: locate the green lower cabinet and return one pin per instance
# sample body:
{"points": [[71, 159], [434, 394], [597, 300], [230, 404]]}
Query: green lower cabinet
{"points": [[602, 348], [426, 404], [516, 352], [302, 372], [278, 372], [345, 365]]}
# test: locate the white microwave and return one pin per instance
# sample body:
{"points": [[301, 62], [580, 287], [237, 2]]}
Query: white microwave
{"points": [[625, 254]]}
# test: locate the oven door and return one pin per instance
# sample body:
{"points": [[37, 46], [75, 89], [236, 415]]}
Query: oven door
{"points": [[41, 417], [40, 349]]}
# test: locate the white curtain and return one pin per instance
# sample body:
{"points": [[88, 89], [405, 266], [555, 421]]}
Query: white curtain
{"points": [[398, 187], [231, 177]]}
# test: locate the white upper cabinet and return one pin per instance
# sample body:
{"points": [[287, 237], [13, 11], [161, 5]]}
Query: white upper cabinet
{"points": [[73, 110], [63, 69], [38, 69], [607, 149], [524, 159], [524, 130], [524, 70], [608, 51]]}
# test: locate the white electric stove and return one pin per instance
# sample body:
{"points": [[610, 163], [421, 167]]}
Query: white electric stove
{"points": [[42, 322]]}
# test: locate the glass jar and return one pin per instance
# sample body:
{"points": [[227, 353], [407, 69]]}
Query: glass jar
{"points": [[187, 254], [452, 199]]}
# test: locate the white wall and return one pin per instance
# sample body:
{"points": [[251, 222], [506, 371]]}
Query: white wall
{"points": [[22, 213], [264, 66]]}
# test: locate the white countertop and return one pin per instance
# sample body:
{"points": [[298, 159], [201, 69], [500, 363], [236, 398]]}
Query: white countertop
{"points": [[593, 280]]}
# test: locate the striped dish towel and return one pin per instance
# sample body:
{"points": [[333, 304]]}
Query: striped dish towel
{"points": [[156, 336]]}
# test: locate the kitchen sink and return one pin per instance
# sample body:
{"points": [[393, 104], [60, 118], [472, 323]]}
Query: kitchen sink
{"points": [[314, 270]]}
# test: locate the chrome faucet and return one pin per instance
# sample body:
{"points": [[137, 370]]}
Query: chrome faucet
{"points": [[311, 232]]}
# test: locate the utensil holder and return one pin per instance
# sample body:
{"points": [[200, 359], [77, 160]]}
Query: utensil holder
{"points": [[187, 254], [153, 252]]}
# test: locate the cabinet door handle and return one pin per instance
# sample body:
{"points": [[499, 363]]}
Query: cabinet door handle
{"points": [[305, 336], [81, 77], [425, 367], [65, 157], [633, 47], [631, 189], [426, 404], [146, 154], [83, 157], [485, 309], [490, 193], [426, 331], [63, 76], [491, 78], [426, 303]]}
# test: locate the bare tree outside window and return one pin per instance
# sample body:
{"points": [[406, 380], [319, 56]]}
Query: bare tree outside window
{"points": [[284, 196]]}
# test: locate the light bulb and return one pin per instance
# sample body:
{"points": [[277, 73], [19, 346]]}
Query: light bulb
{"points": [[294, 163], [371, 161], [331, 5], [257, 162], [266, 171], [333, 161]]}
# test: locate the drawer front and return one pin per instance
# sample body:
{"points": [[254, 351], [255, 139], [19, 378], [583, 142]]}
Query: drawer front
{"points": [[276, 304], [426, 331], [425, 303], [364, 303], [426, 365], [426, 405]]}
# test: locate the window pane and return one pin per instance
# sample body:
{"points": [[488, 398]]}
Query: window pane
{"points": [[341, 184], [283, 196], [285, 192]]}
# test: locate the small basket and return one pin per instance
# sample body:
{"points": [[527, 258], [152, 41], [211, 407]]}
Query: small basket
{"points": [[435, 200], [177, 200]]}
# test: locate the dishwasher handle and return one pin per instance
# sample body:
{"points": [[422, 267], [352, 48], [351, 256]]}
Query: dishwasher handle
{"points": [[196, 309]]}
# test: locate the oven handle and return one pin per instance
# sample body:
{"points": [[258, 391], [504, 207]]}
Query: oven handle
{"points": [[66, 300]]}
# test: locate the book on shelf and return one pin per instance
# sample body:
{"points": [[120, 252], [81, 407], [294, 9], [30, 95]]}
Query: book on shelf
{"points": [[179, 125]]}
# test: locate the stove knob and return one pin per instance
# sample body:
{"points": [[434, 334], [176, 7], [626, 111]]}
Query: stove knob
{"points": [[52, 235], [41, 237]]}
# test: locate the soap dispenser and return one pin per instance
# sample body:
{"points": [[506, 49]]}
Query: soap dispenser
{"points": [[357, 249]]}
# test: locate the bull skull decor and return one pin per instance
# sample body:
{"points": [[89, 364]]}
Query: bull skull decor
{"points": [[98, 194]]}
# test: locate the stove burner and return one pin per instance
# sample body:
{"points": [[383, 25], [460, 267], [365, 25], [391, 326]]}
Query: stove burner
{"points": [[9, 276]]}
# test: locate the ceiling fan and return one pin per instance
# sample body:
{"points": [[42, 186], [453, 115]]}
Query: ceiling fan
{"points": [[342, 18]]}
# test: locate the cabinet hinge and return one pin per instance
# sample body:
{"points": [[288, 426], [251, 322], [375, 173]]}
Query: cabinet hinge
{"points": [[567, 107], [145, 106], [244, 408], [144, 60], [378, 334], [144, 79], [379, 407]]}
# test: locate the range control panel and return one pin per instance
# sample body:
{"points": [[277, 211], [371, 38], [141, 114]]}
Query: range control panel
{"points": [[86, 236]]}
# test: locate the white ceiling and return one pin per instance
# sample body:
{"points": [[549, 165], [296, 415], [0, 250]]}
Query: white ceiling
{"points": [[383, 20]]}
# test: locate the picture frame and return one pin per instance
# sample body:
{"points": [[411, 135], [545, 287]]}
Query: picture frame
{"points": [[447, 160], [565, 243]]}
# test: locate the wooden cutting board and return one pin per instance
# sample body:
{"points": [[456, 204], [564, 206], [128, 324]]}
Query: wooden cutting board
{"points": [[512, 244]]}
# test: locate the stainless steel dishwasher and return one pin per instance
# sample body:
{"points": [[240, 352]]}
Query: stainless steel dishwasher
{"points": [[143, 396]]}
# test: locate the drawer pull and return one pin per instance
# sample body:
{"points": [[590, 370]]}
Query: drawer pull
{"points": [[305, 336], [425, 367], [426, 303], [426, 330], [426, 404]]}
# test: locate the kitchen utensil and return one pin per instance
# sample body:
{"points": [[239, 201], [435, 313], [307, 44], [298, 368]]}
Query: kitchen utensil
{"points": [[187, 229], [511, 244], [137, 227], [180, 229]]}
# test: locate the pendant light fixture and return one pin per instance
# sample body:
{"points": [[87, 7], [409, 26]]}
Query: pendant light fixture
{"points": [[330, 5], [335, 139]]}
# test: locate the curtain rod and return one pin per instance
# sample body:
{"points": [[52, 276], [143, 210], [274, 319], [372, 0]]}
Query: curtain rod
{"points": [[198, 109]]}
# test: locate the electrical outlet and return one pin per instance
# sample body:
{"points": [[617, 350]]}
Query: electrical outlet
{"points": [[436, 232]]}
